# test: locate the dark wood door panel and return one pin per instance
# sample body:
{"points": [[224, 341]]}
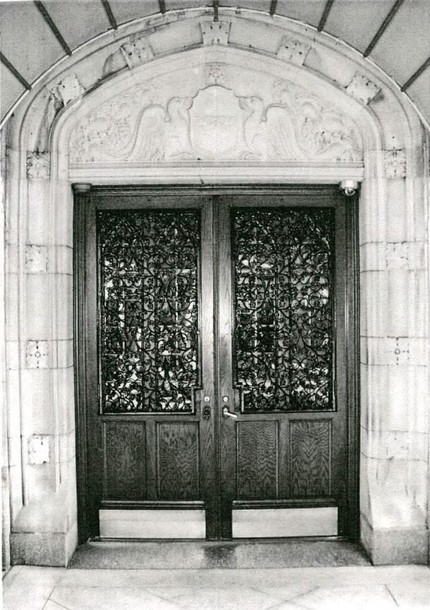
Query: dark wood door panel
{"points": [[257, 460], [125, 460], [178, 460], [310, 444]]}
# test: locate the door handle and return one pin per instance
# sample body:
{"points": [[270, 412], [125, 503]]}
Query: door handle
{"points": [[226, 413]]}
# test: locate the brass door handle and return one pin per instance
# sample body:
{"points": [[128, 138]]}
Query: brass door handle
{"points": [[226, 413]]}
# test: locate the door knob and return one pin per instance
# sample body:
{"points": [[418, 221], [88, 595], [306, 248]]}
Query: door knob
{"points": [[226, 413]]}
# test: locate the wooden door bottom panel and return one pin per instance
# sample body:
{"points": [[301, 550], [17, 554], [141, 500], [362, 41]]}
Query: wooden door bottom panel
{"points": [[148, 524], [285, 522]]}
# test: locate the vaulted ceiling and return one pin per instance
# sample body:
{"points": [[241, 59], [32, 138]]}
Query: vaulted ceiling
{"points": [[394, 34]]}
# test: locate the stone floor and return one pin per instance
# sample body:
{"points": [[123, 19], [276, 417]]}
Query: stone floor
{"points": [[331, 588]]}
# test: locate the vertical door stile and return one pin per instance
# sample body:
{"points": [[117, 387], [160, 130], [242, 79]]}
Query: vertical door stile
{"points": [[227, 425], [208, 401], [95, 440], [339, 458]]}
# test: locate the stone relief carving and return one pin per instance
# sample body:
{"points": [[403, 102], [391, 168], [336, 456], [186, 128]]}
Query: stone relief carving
{"points": [[293, 51], [397, 255], [37, 165], [395, 163], [36, 258], [106, 131], [37, 354], [132, 53], [214, 74], [68, 89], [398, 350], [216, 124], [362, 89], [137, 51], [215, 32]]}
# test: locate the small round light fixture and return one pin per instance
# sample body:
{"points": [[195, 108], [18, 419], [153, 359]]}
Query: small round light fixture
{"points": [[348, 187]]}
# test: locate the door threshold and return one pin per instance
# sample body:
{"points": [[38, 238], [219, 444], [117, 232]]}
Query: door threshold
{"points": [[219, 554], [221, 542]]}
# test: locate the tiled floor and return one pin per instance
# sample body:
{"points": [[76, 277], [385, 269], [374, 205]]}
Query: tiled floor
{"points": [[343, 588]]}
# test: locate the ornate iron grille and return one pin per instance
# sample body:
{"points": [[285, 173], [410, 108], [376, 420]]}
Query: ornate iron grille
{"points": [[148, 309], [283, 287]]}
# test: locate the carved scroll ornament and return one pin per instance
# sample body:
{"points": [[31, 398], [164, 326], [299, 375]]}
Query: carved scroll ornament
{"points": [[216, 124]]}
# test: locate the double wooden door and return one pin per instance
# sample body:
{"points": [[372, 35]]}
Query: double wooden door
{"points": [[215, 363]]}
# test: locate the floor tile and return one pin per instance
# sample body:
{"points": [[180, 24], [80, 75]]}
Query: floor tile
{"points": [[231, 598], [346, 598], [90, 598], [287, 593], [413, 595], [50, 605], [343, 588], [29, 598]]}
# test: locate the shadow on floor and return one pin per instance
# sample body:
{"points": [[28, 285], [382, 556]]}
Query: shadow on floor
{"points": [[169, 555]]}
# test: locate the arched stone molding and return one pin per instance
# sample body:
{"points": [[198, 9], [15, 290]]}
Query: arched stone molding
{"points": [[239, 62]]}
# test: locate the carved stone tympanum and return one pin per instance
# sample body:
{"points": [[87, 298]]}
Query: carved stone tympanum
{"points": [[215, 122]]}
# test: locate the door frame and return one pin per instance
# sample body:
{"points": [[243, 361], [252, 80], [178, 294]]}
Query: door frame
{"points": [[82, 197]]}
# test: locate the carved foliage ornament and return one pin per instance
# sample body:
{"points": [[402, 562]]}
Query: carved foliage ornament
{"points": [[216, 125], [37, 165], [68, 89], [36, 258], [395, 163]]}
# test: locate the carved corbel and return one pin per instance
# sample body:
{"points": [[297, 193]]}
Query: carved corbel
{"points": [[395, 163], [215, 32], [362, 89], [293, 51]]}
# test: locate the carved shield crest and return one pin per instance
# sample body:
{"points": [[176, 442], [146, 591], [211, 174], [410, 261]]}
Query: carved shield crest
{"points": [[216, 124]]}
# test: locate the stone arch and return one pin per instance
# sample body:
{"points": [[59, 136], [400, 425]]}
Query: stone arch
{"points": [[342, 118]]}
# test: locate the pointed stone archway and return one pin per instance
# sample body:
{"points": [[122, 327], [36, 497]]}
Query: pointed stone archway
{"points": [[246, 100]]}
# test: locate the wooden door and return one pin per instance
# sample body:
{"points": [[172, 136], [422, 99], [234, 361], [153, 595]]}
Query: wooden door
{"points": [[145, 309], [214, 385], [287, 429]]}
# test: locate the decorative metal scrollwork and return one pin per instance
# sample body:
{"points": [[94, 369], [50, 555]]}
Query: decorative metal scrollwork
{"points": [[148, 309], [283, 287]]}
